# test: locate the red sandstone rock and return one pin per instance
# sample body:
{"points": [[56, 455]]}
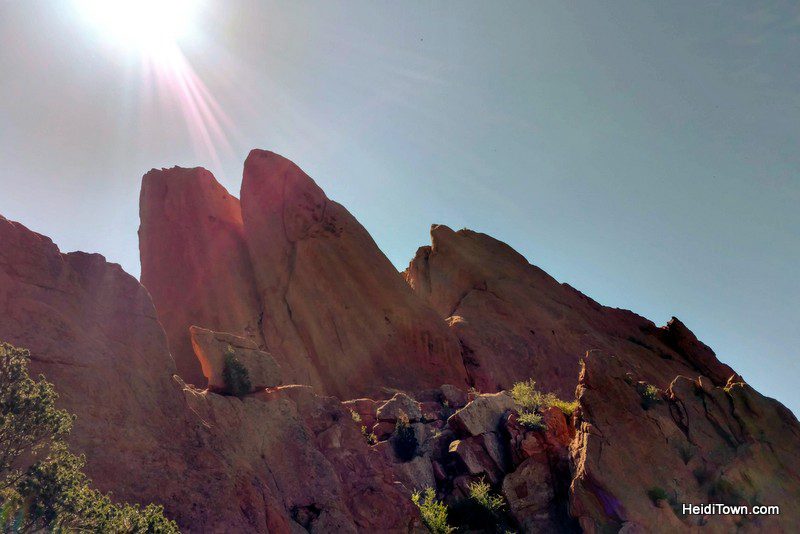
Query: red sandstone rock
{"points": [[211, 349], [336, 312], [194, 261], [702, 444], [277, 461], [515, 322]]}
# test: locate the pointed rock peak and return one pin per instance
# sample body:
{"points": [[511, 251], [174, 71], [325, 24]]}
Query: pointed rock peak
{"points": [[188, 191], [274, 184], [194, 260], [336, 311]]}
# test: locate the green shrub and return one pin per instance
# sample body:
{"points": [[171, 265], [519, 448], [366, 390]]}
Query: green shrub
{"points": [[355, 416], [404, 441], [371, 438], [657, 494], [481, 493], [650, 395], [567, 408], [482, 510], [51, 493], [531, 400], [433, 512], [532, 421], [236, 377]]}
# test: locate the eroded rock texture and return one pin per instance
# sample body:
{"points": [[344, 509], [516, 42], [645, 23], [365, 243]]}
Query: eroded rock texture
{"points": [[636, 461], [335, 308], [514, 321]]}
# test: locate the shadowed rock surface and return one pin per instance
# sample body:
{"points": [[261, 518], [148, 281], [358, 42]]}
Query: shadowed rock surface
{"points": [[697, 443], [514, 321], [212, 349]]}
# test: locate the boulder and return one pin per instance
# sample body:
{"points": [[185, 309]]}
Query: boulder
{"points": [[454, 397], [475, 459], [212, 349], [484, 414], [529, 494], [399, 404]]}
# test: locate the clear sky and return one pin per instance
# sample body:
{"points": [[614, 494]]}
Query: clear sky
{"points": [[647, 153]]}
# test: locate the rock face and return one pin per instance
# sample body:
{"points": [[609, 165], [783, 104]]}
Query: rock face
{"points": [[211, 349], [636, 463], [514, 321], [300, 278], [273, 462], [194, 261], [335, 309]]}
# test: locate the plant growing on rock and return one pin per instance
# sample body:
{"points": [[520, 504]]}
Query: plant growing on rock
{"points": [[433, 512], [404, 440], [370, 437], [42, 484], [482, 511], [531, 400], [650, 395], [236, 377], [481, 493], [532, 421]]}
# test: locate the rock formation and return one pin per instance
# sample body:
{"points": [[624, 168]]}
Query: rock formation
{"points": [[514, 321], [334, 307], [636, 463], [295, 289], [194, 261], [301, 277], [213, 349], [273, 462]]}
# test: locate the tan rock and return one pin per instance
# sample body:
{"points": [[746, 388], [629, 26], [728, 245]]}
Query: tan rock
{"points": [[211, 349], [529, 494]]}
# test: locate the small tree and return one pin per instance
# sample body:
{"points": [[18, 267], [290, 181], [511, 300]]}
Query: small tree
{"points": [[42, 485], [404, 441], [236, 377]]}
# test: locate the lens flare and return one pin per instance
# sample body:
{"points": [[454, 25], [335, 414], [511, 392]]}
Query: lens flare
{"points": [[153, 30], [150, 26]]}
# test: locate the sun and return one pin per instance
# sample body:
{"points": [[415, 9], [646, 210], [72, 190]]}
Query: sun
{"points": [[152, 27]]}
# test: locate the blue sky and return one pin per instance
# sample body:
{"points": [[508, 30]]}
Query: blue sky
{"points": [[646, 153]]}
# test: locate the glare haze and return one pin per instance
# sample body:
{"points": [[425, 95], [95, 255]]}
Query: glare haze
{"points": [[644, 152]]}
